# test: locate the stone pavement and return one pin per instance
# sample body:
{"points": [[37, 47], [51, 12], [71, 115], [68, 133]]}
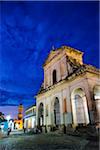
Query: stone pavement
{"points": [[16, 132], [48, 142]]}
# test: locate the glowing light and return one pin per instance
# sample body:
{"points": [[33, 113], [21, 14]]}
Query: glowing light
{"points": [[2, 126], [8, 117]]}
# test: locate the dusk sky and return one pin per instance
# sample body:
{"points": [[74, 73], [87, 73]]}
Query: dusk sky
{"points": [[29, 29]]}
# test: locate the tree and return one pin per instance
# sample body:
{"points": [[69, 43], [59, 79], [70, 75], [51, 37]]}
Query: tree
{"points": [[2, 117]]}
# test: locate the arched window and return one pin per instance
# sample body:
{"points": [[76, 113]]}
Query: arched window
{"points": [[79, 107], [97, 103], [57, 112], [41, 109], [96, 92], [41, 114], [54, 77]]}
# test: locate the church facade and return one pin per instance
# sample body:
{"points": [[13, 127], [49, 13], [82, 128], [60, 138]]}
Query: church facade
{"points": [[70, 93]]}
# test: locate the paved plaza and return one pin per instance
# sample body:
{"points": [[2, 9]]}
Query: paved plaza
{"points": [[48, 142]]}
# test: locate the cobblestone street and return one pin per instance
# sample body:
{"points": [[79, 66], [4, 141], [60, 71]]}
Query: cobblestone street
{"points": [[48, 142]]}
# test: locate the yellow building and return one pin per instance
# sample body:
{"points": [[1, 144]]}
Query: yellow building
{"points": [[20, 112], [18, 123]]}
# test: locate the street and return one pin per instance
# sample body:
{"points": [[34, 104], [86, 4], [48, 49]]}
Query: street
{"points": [[49, 141]]}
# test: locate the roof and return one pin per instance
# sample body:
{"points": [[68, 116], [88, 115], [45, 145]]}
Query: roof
{"points": [[30, 115], [30, 107]]}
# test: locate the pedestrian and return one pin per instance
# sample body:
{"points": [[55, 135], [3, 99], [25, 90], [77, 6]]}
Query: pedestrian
{"points": [[24, 129], [8, 132]]}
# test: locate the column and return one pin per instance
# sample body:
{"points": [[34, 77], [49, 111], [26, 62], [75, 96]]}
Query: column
{"points": [[36, 114], [69, 113], [44, 115], [89, 99], [50, 112], [61, 107]]}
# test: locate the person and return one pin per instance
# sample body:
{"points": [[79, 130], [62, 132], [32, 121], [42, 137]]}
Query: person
{"points": [[8, 132], [24, 129]]}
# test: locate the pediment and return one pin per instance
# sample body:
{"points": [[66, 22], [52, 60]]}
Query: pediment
{"points": [[51, 56], [68, 51]]}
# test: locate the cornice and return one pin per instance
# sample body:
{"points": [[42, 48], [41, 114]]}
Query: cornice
{"points": [[80, 71]]}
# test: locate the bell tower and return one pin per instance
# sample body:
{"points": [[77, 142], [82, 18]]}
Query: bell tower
{"points": [[20, 112]]}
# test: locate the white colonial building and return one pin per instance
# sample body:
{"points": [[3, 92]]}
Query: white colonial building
{"points": [[70, 93], [30, 117]]}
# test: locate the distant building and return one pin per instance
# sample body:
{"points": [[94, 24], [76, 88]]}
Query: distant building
{"points": [[70, 93], [20, 112], [18, 123], [30, 117]]}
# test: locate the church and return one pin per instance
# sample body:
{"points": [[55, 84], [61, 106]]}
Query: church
{"points": [[70, 93]]}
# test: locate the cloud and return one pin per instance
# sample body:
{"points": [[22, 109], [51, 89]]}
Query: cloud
{"points": [[28, 31], [14, 99]]}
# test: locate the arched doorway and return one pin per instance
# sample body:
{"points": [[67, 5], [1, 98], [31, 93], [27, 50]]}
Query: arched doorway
{"points": [[54, 76], [56, 112], [80, 111], [97, 92], [41, 115], [97, 103], [79, 107]]}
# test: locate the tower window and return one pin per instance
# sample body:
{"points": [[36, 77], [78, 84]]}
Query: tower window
{"points": [[54, 77]]}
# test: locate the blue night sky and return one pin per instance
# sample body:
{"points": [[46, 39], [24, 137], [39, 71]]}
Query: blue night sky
{"points": [[28, 31]]}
